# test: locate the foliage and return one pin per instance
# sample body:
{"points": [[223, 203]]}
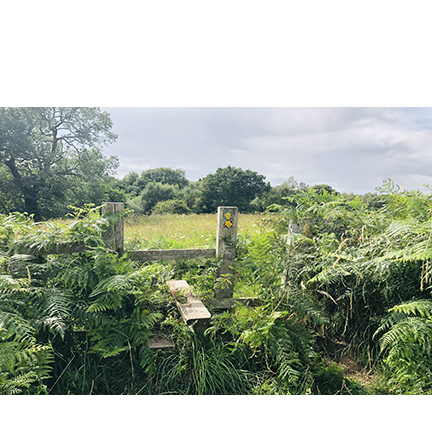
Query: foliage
{"points": [[174, 177], [53, 157], [173, 206], [407, 343], [24, 363], [154, 193], [133, 184], [325, 268], [272, 344], [279, 195], [359, 261], [231, 186], [200, 367], [68, 319]]}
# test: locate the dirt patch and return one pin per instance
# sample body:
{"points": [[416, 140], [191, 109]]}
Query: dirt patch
{"points": [[337, 352], [353, 369]]}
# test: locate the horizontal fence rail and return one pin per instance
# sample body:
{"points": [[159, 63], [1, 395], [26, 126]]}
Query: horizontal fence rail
{"points": [[171, 254], [57, 249], [134, 255]]}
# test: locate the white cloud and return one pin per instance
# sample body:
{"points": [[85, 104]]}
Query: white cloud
{"points": [[352, 149]]}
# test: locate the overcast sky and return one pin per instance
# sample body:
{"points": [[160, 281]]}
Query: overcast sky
{"points": [[351, 149], [251, 54]]}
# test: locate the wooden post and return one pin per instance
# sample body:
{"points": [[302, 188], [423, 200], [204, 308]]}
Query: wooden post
{"points": [[114, 235], [226, 238]]}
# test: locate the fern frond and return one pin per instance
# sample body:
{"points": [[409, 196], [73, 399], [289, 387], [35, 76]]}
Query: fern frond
{"points": [[422, 307], [111, 300], [14, 326], [22, 366], [55, 308], [331, 275], [10, 284], [113, 283], [15, 385], [286, 360], [407, 333]]}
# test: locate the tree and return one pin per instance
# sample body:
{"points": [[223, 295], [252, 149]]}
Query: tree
{"points": [[9, 194], [323, 188], [53, 155], [156, 192], [129, 183], [231, 186], [164, 176], [279, 194], [171, 206]]}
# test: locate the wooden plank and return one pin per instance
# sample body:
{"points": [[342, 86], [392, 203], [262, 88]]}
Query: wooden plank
{"points": [[190, 306], [171, 254], [160, 343], [229, 303], [137, 255], [59, 248]]}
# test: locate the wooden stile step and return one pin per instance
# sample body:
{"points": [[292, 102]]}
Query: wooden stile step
{"points": [[229, 303], [190, 306], [160, 343]]}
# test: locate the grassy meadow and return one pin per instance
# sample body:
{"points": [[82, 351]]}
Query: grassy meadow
{"points": [[172, 231]]}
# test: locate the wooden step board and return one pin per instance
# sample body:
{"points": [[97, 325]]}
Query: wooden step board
{"points": [[161, 343], [190, 306], [230, 303]]}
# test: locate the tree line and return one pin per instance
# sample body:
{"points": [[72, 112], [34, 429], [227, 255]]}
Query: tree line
{"points": [[51, 158]]}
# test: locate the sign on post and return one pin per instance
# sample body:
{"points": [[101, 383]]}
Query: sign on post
{"points": [[226, 238]]}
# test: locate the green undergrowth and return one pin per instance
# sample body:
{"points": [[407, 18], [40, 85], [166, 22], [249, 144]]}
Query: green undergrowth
{"points": [[354, 277]]}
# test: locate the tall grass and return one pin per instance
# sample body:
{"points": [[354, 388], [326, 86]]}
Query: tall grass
{"points": [[180, 231]]}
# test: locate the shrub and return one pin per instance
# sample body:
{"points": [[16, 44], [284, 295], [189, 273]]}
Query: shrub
{"points": [[172, 206]]}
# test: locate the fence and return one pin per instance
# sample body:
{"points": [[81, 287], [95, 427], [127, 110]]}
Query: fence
{"points": [[225, 248], [193, 311], [226, 238]]}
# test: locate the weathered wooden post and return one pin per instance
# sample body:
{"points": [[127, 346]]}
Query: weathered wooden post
{"points": [[114, 235], [226, 238]]}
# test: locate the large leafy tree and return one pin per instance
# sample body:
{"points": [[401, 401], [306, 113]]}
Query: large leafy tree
{"points": [[157, 192], [232, 186], [163, 175], [53, 156]]}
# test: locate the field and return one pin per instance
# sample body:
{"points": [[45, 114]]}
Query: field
{"points": [[181, 231]]}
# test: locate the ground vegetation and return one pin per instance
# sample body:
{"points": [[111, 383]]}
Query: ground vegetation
{"points": [[342, 305]]}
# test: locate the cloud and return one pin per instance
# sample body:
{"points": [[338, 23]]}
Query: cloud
{"points": [[352, 149]]}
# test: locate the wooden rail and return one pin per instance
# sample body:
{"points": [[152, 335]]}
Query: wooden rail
{"points": [[171, 254], [134, 255], [59, 248]]}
